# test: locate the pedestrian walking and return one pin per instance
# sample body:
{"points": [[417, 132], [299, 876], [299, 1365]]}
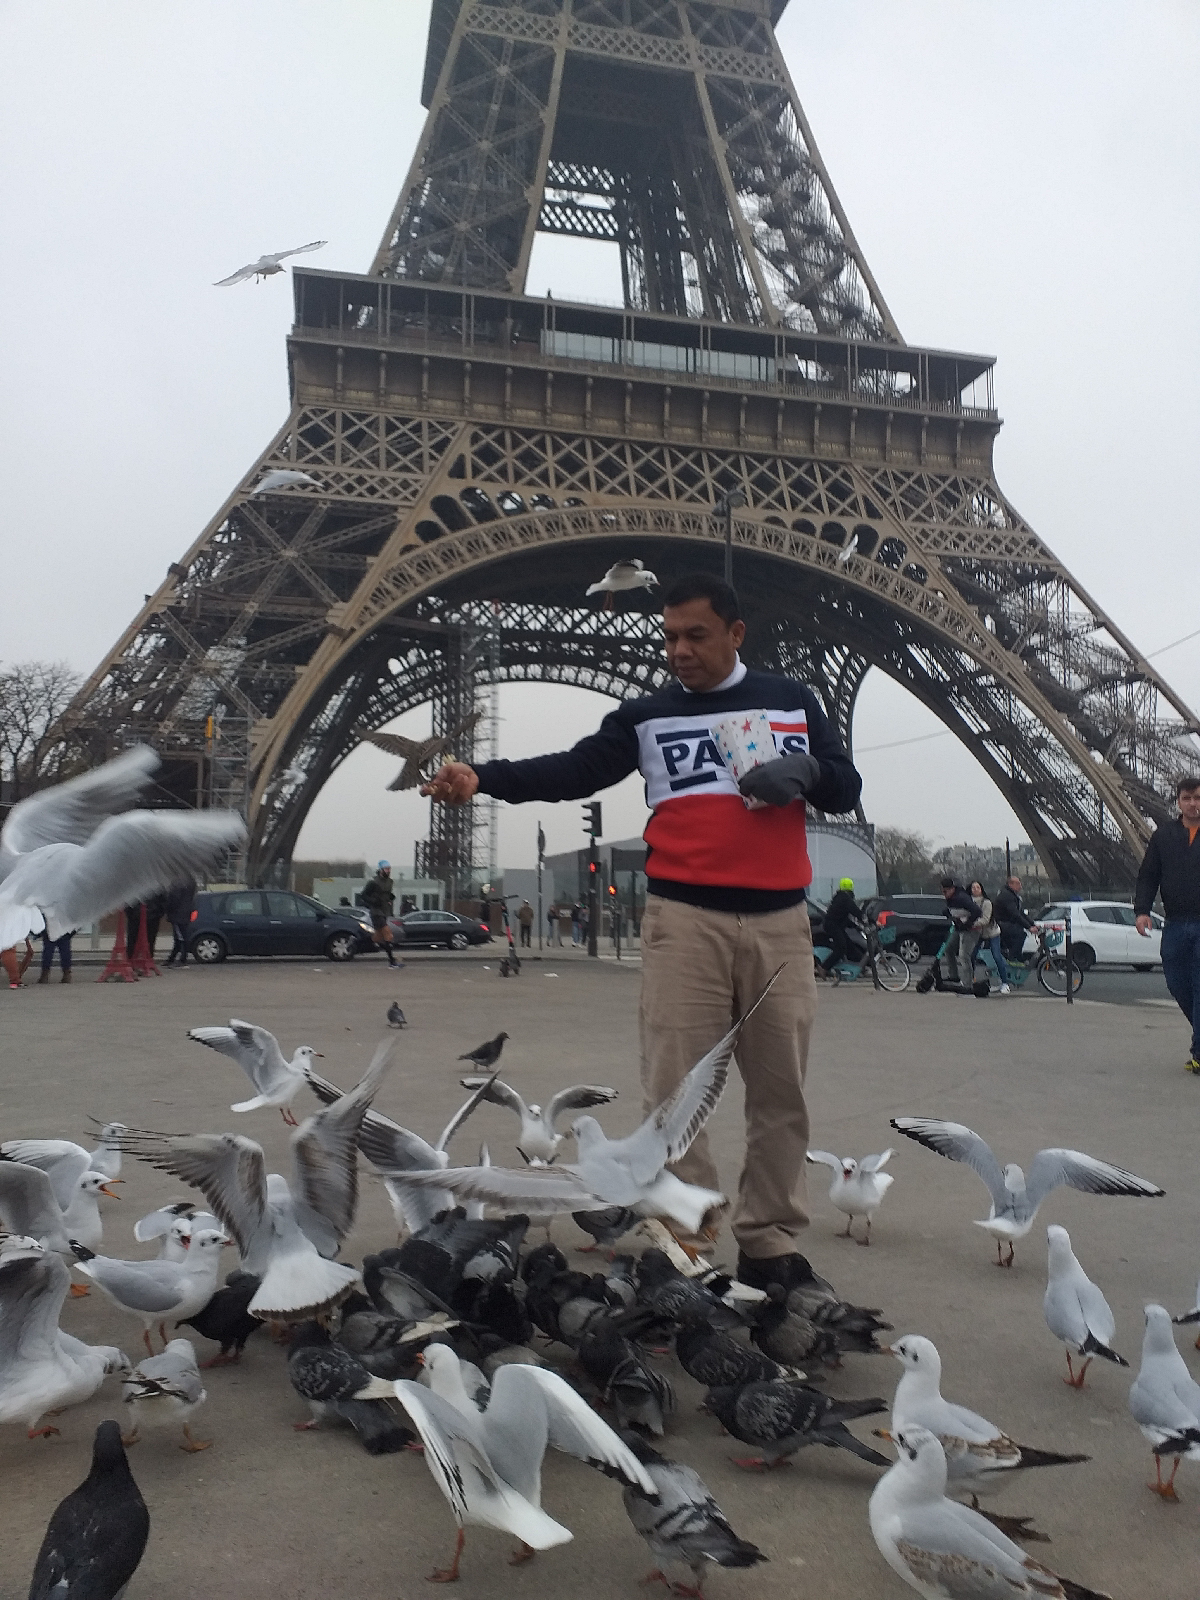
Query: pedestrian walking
{"points": [[14, 965], [525, 919], [725, 902], [1012, 918], [1171, 868], [378, 897], [576, 922], [49, 946], [989, 933], [964, 914], [180, 905], [552, 934], [155, 907]]}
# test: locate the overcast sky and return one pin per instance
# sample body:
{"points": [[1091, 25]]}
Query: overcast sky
{"points": [[1023, 179]]}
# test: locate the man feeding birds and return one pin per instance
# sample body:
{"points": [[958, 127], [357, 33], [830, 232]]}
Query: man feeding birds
{"points": [[727, 868]]}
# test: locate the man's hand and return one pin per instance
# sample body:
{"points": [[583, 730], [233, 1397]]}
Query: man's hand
{"points": [[783, 780], [455, 783], [1144, 926]]}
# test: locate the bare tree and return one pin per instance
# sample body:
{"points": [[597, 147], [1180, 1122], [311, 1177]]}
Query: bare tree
{"points": [[903, 863], [33, 696]]}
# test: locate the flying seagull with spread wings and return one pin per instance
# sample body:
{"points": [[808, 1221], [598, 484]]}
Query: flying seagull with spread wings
{"points": [[417, 754], [267, 266]]}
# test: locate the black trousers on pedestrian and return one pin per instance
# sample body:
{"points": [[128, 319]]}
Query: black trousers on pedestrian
{"points": [[63, 946], [526, 935]]}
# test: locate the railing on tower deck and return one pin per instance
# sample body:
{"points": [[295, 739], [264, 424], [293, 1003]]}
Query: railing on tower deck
{"points": [[388, 313]]}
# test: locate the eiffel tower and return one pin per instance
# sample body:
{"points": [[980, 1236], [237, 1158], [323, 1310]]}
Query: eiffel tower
{"points": [[462, 459]]}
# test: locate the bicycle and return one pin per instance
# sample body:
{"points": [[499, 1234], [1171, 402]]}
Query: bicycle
{"points": [[1048, 961], [888, 970]]}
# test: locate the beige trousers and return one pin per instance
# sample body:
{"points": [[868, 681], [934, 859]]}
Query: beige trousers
{"points": [[700, 970]]}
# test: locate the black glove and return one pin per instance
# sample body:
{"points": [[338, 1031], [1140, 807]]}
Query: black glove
{"points": [[783, 780]]}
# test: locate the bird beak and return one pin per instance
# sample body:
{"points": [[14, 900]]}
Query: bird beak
{"points": [[320, 1054], [105, 1189], [882, 1433], [893, 1349]]}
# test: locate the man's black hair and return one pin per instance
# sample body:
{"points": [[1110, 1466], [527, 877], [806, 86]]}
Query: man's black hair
{"points": [[703, 586], [948, 883], [1183, 784]]}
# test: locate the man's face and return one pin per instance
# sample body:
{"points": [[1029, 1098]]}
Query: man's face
{"points": [[1015, 885], [1189, 807], [947, 890], [701, 647]]}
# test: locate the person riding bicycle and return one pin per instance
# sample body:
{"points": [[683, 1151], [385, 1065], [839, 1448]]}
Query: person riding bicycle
{"points": [[842, 912]]}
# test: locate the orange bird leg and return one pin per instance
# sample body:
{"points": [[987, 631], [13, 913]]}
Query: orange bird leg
{"points": [[524, 1552], [450, 1574], [1166, 1490], [655, 1576], [42, 1433], [78, 1290], [286, 1113], [1075, 1381], [146, 1341]]}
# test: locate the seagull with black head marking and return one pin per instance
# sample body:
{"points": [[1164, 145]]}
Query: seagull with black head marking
{"points": [[1015, 1197], [623, 1172], [539, 1138], [258, 1054]]}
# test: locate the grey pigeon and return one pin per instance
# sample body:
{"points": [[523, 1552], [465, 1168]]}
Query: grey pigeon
{"points": [[718, 1361], [97, 1535], [686, 1525], [335, 1383], [396, 1017], [605, 1226], [780, 1416], [487, 1054]]}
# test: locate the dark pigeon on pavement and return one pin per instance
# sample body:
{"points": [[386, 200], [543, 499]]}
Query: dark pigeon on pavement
{"points": [[97, 1535], [396, 1017], [487, 1054], [717, 1360], [780, 1416], [226, 1319], [334, 1381]]}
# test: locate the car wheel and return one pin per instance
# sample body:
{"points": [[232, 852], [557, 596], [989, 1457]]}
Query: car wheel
{"points": [[208, 948], [909, 949], [1083, 956], [457, 941], [341, 946]]}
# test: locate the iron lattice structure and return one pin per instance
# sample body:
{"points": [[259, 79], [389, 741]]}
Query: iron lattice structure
{"points": [[477, 456]]}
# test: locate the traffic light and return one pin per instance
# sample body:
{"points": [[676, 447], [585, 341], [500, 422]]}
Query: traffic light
{"points": [[612, 890], [591, 819], [593, 880]]}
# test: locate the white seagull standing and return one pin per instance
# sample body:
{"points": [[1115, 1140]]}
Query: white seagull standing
{"points": [[980, 1457], [157, 1290], [67, 859], [616, 1172], [539, 1139], [75, 1184], [267, 266], [858, 1187], [1075, 1310], [286, 1234], [1165, 1400], [258, 1054], [1015, 1198], [41, 1367], [395, 1151], [488, 1463], [165, 1389], [621, 577], [941, 1548]]}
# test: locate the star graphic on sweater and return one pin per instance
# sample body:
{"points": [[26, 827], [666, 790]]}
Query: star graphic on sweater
{"points": [[750, 745], [746, 727]]}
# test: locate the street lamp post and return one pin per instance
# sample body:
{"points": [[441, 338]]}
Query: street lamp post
{"points": [[725, 505]]}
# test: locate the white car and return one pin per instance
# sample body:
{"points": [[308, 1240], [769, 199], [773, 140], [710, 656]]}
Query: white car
{"points": [[1105, 931]]}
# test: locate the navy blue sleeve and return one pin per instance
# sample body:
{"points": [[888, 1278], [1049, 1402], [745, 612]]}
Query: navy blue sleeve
{"points": [[1149, 878], [839, 786], [597, 762]]}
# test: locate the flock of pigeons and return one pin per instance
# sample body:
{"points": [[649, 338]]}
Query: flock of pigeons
{"points": [[447, 1343]]}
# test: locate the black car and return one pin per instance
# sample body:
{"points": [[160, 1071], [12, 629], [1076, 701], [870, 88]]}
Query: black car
{"points": [[272, 922], [439, 928], [919, 921]]}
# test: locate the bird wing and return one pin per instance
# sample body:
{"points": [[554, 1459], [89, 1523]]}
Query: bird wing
{"points": [[949, 1552], [385, 1143], [63, 1163], [957, 1143], [71, 812], [239, 276], [573, 1427], [27, 1203], [325, 1156], [578, 1098], [875, 1163], [28, 1272], [395, 744], [495, 1089], [155, 1223], [1051, 1168], [254, 1049], [127, 857], [300, 250], [825, 1159], [526, 1189], [168, 1374], [595, 588], [151, 1286], [483, 1091], [1097, 1312], [230, 1172], [667, 1133]]}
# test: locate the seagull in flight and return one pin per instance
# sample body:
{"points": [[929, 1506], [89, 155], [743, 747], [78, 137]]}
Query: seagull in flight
{"points": [[621, 577], [417, 754], [539, 1140], [1016, 1198], [858, 1187], [267, 266], [284, 478], [258, 1054]]}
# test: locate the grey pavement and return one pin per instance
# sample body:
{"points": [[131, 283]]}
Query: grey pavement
{"points": [[268, 1510]]}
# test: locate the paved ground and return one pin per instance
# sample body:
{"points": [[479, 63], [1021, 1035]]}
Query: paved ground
{"points": [[271, 1511]]}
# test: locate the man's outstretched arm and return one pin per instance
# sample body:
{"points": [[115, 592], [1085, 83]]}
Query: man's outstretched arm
{"points": [[597, 762]]}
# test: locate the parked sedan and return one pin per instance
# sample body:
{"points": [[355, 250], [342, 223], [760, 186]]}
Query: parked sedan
{"points": [[439, 928], [919, 922], [1105, 931], [272, 922]]}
